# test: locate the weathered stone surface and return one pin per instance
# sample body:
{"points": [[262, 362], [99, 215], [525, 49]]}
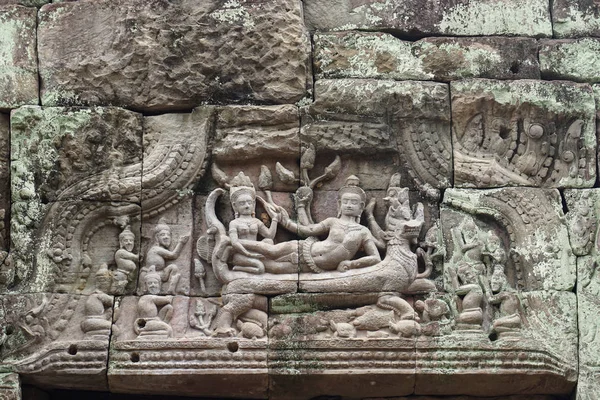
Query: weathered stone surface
{"points": [[4, 181], [377, 126], [167, 250], [573, 60], [10, 387], [164, 55], [66, 154], [58, 334], [433, 17], [545, 356], [250, 137], [61, 246], [575, 18], [175, 156], [26, 3], [152, 331], [18, 63], [534, 239], [381, 55], [523, 133]]}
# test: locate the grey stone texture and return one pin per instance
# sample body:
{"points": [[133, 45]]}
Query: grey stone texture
{"points": [[575, 18], [381, 55], [433, 17], [161, 56], [18, 60], [570, 59]]}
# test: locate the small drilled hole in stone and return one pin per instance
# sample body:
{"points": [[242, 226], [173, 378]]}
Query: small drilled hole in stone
{"points": [[514, 68], [141, 323], [10, 330], [493, 336], [504, 132], [233, 347], [72, 349], [135, 357]]}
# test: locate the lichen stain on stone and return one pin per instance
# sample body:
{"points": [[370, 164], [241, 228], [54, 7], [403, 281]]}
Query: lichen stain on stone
{"points": [[517, 17]]}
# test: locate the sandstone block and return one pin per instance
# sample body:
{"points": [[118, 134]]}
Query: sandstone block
{"points": [[379, 126], [573, 60], [524, 133], [381, 55], [66, 154], [153, 330], [59, 334], [18, 79], [534, 240], [433, 17], [575, 18], [163, 56]]}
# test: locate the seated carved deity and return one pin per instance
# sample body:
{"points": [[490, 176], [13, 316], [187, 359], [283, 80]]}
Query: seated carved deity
{"points": [[159, 253], [153, 312], [245, 227]]}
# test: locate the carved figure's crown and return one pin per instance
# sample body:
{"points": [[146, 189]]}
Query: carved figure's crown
{"points": [[351, 186], [241, 184], [126, 232], [161, 226]]}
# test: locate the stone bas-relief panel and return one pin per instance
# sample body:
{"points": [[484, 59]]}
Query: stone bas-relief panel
{"points": [[99, 53], [523, 133], [267, 268], [582, 218]]}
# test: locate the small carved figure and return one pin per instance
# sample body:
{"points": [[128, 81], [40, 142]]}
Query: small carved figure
{"points": [[201, 319], [342, 329], [465, 276], [154, 312], [494, 251], [126, 261], [159, 253], [246, 227], [508, 323], [98, 307]]}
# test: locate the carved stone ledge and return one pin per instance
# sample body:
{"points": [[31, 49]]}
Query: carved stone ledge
{"points": [[523, 133]]}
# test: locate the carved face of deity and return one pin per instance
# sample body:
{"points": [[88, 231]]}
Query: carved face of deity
{"points": [[163, 237], [244, 204], [153, 285], [200, 308], [127, 242], [498, 280], [351, 205]]}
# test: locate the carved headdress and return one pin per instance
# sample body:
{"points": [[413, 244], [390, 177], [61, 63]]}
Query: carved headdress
{"points": [[152, 274], [394, 188], [239, 185], [126, 232], [351, 186], [161, 226]]}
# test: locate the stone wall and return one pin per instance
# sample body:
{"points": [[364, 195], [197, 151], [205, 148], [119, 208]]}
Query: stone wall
{"points": [[288, 199]]}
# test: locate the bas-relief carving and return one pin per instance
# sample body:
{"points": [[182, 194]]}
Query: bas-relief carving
{"points": [[469, 276], [521, 134]]}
